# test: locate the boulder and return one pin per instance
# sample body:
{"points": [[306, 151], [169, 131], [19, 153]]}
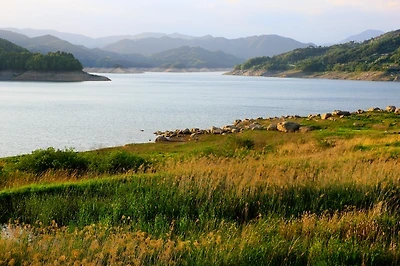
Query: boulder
{"points": [[391, 108], [255, 126], [161, 139], [288, 126], [313, 116], [186, 131], [229, 128], [360, 111], [272, 127], [216, 130], [340, 113], [237, 122], [194, 136], [326, 116], [374, 109]]}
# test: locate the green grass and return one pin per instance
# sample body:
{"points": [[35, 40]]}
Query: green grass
{"points": [[326, 197]]}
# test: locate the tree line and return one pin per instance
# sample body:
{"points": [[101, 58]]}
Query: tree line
{"points": [[59, 61], [14, 57]]}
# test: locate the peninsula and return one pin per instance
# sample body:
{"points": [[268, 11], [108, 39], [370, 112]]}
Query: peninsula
{"points": [[18, 64], [377, 59]]}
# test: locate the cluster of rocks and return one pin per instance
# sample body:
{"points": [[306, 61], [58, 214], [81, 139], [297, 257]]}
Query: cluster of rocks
{"points": [[195, 132], [338, 113], [253, 124]]}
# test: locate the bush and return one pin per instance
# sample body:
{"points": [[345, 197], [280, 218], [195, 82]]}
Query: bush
{"points": [[41, 161], [117, 162], [242, 143]]}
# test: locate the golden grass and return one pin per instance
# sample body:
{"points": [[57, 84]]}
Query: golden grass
{"points": [[99, 244], [277, 161]]}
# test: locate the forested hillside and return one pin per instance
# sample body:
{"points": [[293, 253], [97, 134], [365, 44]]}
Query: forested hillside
{"points": [[194, 57], [378, 54], [14, 57]]}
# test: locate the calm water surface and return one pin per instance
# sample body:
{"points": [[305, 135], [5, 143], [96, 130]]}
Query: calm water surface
{"points": [[129, 109]]}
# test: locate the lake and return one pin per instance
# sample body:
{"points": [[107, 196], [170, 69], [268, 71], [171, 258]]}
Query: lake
{"points": [[92, 115]]}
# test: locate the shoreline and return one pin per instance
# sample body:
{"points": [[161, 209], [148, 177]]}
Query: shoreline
{"points": [[156, 69], [51, 76], [334, 75], [284, 123], [288, 123]]}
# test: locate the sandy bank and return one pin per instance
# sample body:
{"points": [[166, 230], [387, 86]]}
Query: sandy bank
{"points": [[369, 76], [72, 76]]}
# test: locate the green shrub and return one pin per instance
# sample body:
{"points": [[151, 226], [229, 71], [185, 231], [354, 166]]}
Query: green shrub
{"points": [[40, 161], [117, 162], [242, 143]]}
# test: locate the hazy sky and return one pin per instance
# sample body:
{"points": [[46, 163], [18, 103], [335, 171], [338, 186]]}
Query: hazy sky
{"points": [[318, 21]]}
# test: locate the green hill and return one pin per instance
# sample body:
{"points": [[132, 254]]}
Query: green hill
{"points": [[14, 57], [194, 57], [381, 54], [8, 47]]}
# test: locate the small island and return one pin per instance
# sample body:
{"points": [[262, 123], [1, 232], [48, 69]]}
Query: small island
{"points": [[377, 59], [18, 64]]}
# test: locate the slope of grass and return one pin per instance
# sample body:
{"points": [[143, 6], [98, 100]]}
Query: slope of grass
{"points": [[326, 197]]}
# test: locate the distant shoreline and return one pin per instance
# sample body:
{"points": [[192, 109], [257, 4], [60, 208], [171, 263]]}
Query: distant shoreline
{"points": [[51, 76], [366, 76], [156, 69]]}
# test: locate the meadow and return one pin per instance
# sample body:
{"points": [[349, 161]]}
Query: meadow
{"points": [[326, 197]]}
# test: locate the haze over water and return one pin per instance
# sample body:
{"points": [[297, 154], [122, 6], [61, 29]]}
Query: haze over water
{"points": [[129, 109]]}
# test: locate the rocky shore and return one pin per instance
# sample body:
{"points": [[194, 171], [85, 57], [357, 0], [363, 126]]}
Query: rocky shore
{"points": [[281, 124], [71, 76], [368, 76]]}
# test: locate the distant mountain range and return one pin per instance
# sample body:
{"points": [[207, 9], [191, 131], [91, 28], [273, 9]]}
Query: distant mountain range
{"points": [[149, 43], [363, 36], [182, 57], [89, 42], [148, 50], [265, 45]]}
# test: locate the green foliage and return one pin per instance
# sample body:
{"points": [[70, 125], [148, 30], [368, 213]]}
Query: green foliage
{"points": [[13, 57], [194, 57], [116, 162], [144, 198], [58, 61], [241, 143], [41, 161], [7, 47], [379, 54]]}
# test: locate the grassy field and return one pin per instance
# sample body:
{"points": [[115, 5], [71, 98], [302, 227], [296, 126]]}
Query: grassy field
{"points": [[326, 197]]}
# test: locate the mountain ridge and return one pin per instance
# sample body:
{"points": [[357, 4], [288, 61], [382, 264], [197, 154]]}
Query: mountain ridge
{"points": [[379, 56], [98, 58], [363, 36], [148, 43], [246, 47]]}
